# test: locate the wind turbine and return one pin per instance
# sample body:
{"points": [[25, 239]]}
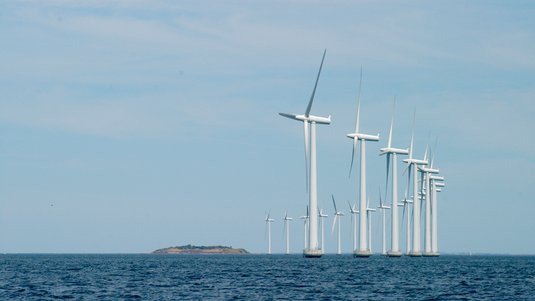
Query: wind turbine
{"points": [[363, 250], [428, 172], [305, 220], [354, 213], [434, 243], [369, 210], [413, 172], [435, 181], [406, 207], [383, 209], [287, 231], [391, 152], [337, 217], [321, 215], [310, 159], [268, 221]]}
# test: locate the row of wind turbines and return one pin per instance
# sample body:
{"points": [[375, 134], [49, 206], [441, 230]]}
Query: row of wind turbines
{"points": [[422, 196]]}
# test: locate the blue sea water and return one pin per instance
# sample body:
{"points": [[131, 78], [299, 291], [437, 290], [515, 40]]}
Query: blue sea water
{"points": [[263, 277]]}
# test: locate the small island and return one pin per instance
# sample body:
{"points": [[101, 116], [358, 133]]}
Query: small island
{"points": [[190, 249]]}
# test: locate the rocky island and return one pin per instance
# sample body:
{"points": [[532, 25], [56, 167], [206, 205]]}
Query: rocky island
{"points": [[189, 249]]}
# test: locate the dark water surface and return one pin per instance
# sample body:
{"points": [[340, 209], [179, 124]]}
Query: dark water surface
{"points": [[261, 277]]}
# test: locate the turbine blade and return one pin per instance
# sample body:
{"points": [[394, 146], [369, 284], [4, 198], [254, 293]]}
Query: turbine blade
{"points": [[307, 151], [358, 103], [350, 208], [334, 203], [380, 197], [391, 124], [334, 223], [411, 147], [387, 173], [352, 156], [291, 116], [309, 107]]}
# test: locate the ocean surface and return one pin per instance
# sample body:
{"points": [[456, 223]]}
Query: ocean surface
{"points": [[264, 277]]}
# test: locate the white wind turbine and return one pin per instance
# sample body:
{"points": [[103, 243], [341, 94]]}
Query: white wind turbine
{"points": [[413, 172], [363, 250], [354, 213], [383, 209], [391, 152], [312, 249], [369, 210], [287, 231], [427, 172], [434, 180], [268, 221], [405, 203], [434, 243], [321, 215], [305, 221], [337, 217]]}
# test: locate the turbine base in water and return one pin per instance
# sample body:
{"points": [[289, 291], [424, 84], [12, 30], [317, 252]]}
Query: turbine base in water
{"points": [[359, 253], [430, 254], [415, 254], [394, 254], [307, 253]]}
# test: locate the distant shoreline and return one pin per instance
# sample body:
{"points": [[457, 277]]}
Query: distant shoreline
{"points": [[208, 250]]}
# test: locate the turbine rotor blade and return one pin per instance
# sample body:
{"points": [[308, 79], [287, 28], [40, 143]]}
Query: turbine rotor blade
{"points": [[352, 156], [334, 203], [307, 151], [334, 223], [358, 103], [309, 107], [391, 124]]}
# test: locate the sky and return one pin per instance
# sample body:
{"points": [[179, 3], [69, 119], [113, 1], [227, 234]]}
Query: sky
{"points": [[128, 126]]}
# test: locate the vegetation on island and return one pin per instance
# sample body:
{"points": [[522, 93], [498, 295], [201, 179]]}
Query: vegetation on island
{"points": [[191, 249]]}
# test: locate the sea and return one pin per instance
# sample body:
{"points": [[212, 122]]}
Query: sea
{"points": [[264, 277]]}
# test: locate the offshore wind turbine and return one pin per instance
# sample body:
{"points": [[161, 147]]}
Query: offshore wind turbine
{"points": [[309, 126], [434, 243], [392, 152], [287, 231], [369, 210], [363, 250], [321, 215], [354, 213], [413, 172], [383, 209], [337, 217], [406, 202], [305, 221], [427, 173], [268, 221]]}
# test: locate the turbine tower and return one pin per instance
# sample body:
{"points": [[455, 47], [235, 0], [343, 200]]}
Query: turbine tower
{"points": [[383, 209], [287, 231], [391, 152], [413, 172], [337, 217], [321, 215], [369, 210], [363, 250], [309, 126], [436, 181], [427, 173], [354, 213], [268, 221]]}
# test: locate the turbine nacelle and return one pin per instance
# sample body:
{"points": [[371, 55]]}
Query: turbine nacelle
{"points": [[360, 136], [436, 178], [440, 184], [429, 170], [392, 150], [309, 118], [416, 161]]}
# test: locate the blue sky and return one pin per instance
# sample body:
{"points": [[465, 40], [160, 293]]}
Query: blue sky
{"points": [[131, 126]]}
